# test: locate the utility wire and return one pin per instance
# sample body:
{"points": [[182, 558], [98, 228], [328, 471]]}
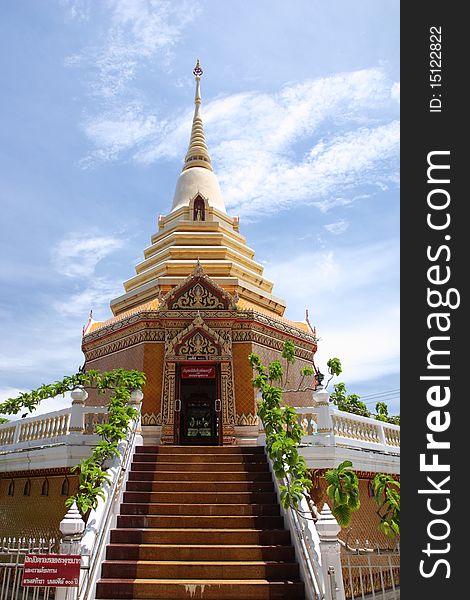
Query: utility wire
{"points": [[381, 393]]}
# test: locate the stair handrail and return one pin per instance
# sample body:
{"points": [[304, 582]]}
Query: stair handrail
{"points": [[99, 523], [303, 541]]}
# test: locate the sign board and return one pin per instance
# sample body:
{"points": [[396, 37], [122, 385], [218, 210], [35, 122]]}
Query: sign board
{"points": [[51, 570], [198, 372]]}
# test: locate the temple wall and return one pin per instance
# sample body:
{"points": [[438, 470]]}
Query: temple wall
{"points": [[364, 525], [128, 358], [154, 355], [34, 515], [242, 373], [294, 398]]}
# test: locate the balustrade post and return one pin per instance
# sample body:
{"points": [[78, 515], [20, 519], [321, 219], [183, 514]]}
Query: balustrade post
{"points": [[324, 421], [382, 438], [136, 401], [77, 424], [16, 434], [330, 550], [71, 528]]}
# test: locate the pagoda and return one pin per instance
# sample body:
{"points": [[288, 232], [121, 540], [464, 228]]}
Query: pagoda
{"points": [[196, 307]]}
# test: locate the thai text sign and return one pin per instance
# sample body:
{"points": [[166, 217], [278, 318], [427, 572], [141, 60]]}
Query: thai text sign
{"points": [[198, 372], [51, 570]]}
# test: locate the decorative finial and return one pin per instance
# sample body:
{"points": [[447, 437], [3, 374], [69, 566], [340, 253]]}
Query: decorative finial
{"points": [[197, 154], [197, 71]]}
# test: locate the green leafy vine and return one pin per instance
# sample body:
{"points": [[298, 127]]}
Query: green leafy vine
{"points": [[283, 433], [92, 472], [387, 497], [343, 489]]}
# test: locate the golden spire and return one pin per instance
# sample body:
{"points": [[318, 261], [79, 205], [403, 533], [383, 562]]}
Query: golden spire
{"points": [[197, 154]]}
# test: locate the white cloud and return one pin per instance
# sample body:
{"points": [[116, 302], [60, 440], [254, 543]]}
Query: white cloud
{"points": [[319, 274], [77, 255], [361, 282], [113, 132], [137, 30], [254, 137], [338, 227], [395, 91], [95, 296], [368, 348], [76, 10]]}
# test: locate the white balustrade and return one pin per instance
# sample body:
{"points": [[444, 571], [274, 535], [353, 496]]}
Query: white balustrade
{"points": [[324, 425], [53, 426], [7, 434]]}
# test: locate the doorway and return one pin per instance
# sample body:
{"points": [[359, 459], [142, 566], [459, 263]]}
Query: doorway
{"points": [[199, 414]]}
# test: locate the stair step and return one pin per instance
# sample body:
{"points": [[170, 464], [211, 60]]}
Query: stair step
{"points": [[217, 497], [154, 508], [222, 465], [145, 569], [204, 458], [200, 486], [255, 589], [199, 522], [200, 450], [216, 537], [199, 552], [156, 475]]}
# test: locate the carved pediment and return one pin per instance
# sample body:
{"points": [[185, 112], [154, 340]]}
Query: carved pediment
{"points": [[198, 340], [198, 292]]}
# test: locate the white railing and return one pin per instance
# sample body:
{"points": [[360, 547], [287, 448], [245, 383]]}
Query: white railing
{"points": [[325, 425], [12, 555], [103, 518], [317, 548], [364, 431], [371, 573], [52, 426]]}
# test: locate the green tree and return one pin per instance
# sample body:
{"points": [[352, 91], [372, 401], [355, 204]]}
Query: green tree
{"points": [[387, 497], [382, 414], [343, 489], [348, 402], [334, 369]]}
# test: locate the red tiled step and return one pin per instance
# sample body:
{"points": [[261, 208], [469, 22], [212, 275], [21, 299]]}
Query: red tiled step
{"points": [[222, 465], [202, 497], [218, 537], [196, 589], [154, 508], [199, 522], [145, 569], [204, 458], [200, 486], [206, 552], [152, 475], [200, 450]]}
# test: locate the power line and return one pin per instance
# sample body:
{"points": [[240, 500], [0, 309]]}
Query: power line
{"points": [[382, 393], [388, 400]]}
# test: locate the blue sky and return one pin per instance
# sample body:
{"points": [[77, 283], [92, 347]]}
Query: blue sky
{"points": [[301, 113]]}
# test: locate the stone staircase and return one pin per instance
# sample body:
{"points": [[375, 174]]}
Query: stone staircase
{"points": [[202, 523]]}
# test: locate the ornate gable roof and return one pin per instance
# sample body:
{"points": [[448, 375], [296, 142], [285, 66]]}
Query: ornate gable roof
{"points": [[198, 339], [198, 292]]}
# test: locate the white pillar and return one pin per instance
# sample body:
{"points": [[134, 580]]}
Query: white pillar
{"points": [[324, 423], [79, 396], [71, 528], [136, 401], [382, 438], [330, 550]]}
